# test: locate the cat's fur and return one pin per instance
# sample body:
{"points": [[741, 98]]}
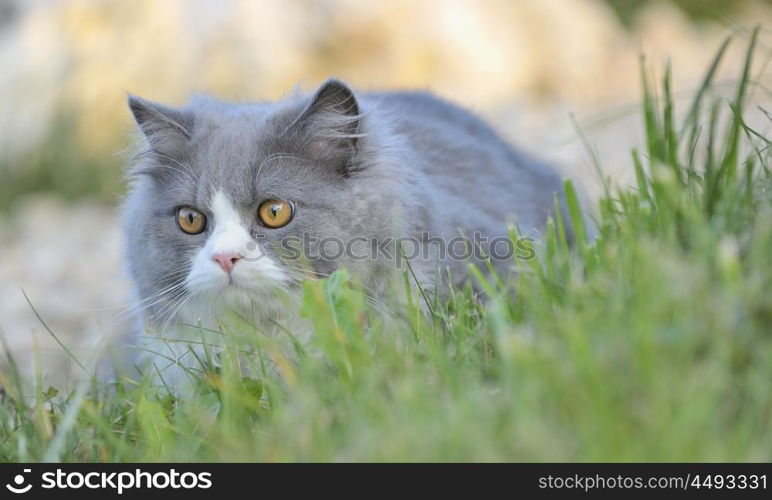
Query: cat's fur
{"points": [[373, 165]]}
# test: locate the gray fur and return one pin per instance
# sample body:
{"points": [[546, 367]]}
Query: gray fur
{"points": [[377, 165]]}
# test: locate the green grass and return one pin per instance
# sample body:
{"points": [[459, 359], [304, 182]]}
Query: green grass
{"points": [[713, 10], [652, 341]]}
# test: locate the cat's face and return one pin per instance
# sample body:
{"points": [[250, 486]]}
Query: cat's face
{"points": [[222, 188]]}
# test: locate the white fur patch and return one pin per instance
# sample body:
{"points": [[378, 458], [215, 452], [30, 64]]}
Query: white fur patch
{"points": [[230, 234], [255, 273]]}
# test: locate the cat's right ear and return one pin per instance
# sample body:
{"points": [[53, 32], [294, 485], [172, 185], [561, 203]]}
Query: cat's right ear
{"points": [[166, 129]]}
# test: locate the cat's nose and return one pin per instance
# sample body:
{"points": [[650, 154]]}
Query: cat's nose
{"points": [[226, 260]]}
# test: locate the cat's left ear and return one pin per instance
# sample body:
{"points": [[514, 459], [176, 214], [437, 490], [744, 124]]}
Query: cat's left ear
{"points": [[332, 121]]}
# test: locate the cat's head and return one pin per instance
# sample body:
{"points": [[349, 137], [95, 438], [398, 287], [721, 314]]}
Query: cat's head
{"points": [[218, 187]]}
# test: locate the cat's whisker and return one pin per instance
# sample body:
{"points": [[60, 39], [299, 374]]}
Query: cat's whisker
{"points": [[306, 272], [166, 319], [173, 189], [184, 168], [174, 276], [148, 302], [270, 158], [170, 304], [290, 293], [185, 173], [149, 306], [145, 302], [379, 306], [369, 296], [175, 311], [124, 308], [303, 274]]}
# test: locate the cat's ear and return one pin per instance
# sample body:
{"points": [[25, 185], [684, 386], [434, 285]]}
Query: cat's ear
{"points": [[332, 121], [166, 129]]}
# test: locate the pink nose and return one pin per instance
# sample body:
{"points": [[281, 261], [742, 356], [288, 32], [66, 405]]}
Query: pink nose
{"points": [[226, 260]]}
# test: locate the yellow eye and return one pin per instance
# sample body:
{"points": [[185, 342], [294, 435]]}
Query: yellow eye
{"points": [[191, 220], [276, 213]]}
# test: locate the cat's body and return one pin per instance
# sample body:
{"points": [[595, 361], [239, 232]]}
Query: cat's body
{"points": [[353, 168]]}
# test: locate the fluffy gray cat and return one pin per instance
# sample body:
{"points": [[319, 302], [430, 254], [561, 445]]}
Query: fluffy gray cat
{"points": [[220, 189]]}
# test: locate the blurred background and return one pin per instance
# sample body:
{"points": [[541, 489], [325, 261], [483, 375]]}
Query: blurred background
{"points": [[533, 68]]}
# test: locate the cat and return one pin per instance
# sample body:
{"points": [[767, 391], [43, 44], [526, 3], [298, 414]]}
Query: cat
{"points": [[218, 189]]}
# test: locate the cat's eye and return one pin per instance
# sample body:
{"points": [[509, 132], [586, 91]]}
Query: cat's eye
{"points": [[191, 220], [276, 213]]}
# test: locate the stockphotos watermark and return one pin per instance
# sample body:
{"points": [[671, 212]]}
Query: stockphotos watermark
{"points": [[400, 250], [110, 481]]}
